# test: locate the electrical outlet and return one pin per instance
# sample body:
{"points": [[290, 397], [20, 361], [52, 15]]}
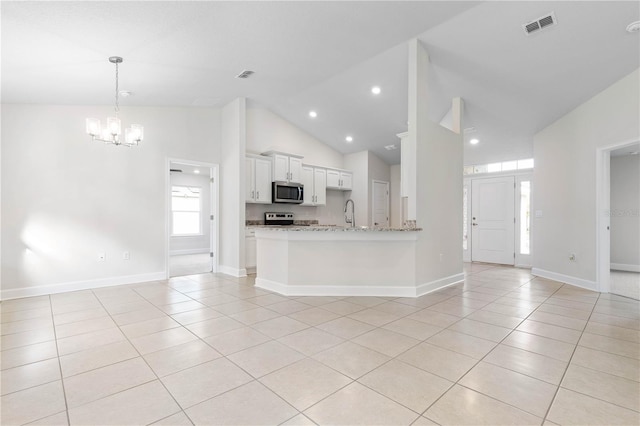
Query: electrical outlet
{"points": [[126, 255], [572, 257], [102, 257]]}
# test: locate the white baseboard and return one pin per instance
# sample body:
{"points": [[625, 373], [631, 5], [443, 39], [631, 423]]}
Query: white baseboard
{"points": [[356, 290], [234, 272], [567, 279], [188, 251], [16, 293], [625, 267], [441, 283], [251, 269]]}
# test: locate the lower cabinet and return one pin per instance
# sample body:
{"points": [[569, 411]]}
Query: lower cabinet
{"points": [[250, 251]]}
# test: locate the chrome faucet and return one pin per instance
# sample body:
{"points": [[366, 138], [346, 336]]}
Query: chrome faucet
{"points": [[350, 220]]}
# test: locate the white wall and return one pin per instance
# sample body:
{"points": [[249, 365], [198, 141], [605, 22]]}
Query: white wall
{"points": [[625, 212], [268, 131], [65, 198], [394, 198], [565, 180], [194, 243], [232, 179], [438, 188]]}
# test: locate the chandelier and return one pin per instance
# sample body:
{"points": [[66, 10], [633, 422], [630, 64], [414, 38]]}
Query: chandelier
{"points": [[112, 132]]}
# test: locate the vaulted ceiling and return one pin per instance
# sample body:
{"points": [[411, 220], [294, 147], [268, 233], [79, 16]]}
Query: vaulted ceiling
{"points": [[326, 56]]}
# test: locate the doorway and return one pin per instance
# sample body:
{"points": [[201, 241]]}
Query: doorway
{"points": [[380, 204], [493, 220], [500, 208], [621, 266], [191, 212]]}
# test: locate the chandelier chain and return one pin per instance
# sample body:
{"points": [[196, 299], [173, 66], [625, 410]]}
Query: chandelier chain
{"points": [[117, 99]]}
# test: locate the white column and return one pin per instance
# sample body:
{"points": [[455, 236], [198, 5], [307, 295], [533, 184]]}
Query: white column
{"points": [[232, 188]]}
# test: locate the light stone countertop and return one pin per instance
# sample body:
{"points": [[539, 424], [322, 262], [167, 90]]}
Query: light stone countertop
{"points": [[332, 228]]}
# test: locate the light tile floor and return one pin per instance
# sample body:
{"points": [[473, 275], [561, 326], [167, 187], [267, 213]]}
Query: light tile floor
{"points": [[502, 348], [189, 264]]}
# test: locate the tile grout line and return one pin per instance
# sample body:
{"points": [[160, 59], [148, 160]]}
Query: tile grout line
{"points": [[555, 395], [64, 390], [479, 361]]}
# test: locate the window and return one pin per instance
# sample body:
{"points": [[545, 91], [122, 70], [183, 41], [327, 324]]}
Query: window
{"points": [[494, 167], [185, 210], [504, 166], [509, 165], [525, 164], [525, 217]]}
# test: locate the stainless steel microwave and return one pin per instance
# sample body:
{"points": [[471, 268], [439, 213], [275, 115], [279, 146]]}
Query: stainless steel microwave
{"points": [[285, 192]]}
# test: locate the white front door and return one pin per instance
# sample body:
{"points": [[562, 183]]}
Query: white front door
{"points": [[380, 207], [493, 220]]}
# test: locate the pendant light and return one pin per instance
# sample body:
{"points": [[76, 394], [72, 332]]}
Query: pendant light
{"points": [[112, 132]]}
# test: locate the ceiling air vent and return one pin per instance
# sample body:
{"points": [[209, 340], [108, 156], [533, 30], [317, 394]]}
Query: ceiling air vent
{"points": [[540, 23], [244, 74]]}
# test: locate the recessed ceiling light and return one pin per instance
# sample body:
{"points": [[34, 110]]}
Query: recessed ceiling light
{"points": [[196, 171], [474, 141], [633, 27], [376, 90], [390, 147], [125, 93], [349, 139], [634, 153], [313, 114]]}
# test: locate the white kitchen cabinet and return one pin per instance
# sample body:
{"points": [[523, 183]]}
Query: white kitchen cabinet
{"points": [[286, 168], [258, 180], [250, 251], [339, 179], [314, 180]]}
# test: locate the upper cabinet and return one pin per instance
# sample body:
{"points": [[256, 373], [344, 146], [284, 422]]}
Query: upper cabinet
{"points": [[314, 180], [286, 167], [258, 180], [339, 179]]}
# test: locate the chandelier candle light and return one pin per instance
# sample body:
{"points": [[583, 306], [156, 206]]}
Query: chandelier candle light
{"points": [[111, 133]]}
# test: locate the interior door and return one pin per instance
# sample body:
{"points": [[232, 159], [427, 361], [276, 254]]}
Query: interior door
{"points": [[493, 220], [380, 210]]}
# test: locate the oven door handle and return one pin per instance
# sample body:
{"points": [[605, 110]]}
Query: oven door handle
{"points": [[300, 193]]}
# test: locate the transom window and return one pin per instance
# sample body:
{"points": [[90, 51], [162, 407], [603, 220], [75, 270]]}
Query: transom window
{"points": [[505, 166]]}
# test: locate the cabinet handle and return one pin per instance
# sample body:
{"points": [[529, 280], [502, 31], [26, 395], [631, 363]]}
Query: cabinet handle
{"points": [[258, 195], [253, 195]]}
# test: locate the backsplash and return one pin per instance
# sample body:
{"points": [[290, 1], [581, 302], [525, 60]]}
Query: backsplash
{"points": [[330, 214], [295, 222]]}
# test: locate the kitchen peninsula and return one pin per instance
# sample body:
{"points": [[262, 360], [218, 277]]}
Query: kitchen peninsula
{"points": [[337, 261]]}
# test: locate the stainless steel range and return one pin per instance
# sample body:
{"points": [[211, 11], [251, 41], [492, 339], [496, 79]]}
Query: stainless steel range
{"points": [[276, 218]]}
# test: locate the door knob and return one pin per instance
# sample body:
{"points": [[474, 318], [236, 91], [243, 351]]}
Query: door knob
{"points": [[474, 224]]}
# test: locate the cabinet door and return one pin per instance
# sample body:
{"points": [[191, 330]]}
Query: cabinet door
{"points": [[307, 181], [249, 166], [333, 179], [346, 180], [320, 186], [280, 168], [263, 181], [295, 170]]}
